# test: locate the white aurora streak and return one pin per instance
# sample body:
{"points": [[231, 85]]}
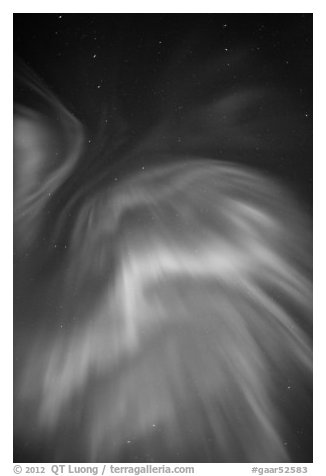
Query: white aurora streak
{"points": [[204, 316]]}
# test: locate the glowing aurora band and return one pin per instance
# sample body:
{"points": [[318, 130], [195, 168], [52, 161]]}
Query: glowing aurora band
{"points": [[185, 351]]}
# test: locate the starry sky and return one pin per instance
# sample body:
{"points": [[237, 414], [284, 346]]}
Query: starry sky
{"points": [[122, 74], [230, 87]]}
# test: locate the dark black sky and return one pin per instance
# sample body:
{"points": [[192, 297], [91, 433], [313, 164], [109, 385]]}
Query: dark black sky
{"points": [[125, 72]]}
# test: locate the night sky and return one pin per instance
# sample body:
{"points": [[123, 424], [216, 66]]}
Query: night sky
{"points": [[150, 89], [123, 74]]}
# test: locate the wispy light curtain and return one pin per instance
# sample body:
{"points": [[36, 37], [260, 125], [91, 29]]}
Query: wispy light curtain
{"points": [[162, 284]]}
